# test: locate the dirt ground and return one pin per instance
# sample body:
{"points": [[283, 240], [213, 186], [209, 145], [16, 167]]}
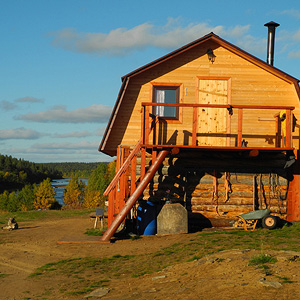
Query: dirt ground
{"points": [[225, 275]]}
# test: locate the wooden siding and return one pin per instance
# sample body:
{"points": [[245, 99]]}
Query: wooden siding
{"points": [[249, 85]]}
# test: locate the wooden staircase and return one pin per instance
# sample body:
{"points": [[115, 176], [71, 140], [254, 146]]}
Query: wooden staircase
{"points": [[116, 220]]}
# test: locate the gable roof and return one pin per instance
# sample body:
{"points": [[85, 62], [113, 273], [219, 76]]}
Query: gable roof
{"points": [[209, 37]]}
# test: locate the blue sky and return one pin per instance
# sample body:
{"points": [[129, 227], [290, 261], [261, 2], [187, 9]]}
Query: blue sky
{"points": [[62, 60]]}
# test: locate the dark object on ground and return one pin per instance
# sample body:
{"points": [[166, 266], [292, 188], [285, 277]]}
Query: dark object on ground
{"points": [[11, 224]]}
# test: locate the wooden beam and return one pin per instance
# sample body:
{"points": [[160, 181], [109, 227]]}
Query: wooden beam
{"points": [[274, 107], [143, 162], [277, 130], [147, 128], [133, 175], [288, 128], [195, 125], [240, 127]]}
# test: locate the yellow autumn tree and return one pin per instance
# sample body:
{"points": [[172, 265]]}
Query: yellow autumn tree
{"points": [[92, 198], [44, 195], [73, 194]]}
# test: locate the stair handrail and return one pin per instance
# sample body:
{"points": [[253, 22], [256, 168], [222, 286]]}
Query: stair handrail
{"points": [[126, 163]]}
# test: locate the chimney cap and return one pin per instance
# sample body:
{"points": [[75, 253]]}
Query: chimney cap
{"points": [[272, 24]]}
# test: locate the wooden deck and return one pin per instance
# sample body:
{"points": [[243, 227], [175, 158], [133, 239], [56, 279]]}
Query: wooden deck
{"points": [[232, 139]]}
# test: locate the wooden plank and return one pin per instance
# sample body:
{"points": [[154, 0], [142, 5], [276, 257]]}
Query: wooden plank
{"points": [[147, 124], [267, 107], [133, 175], [195, 126], [240, 127], [288, 128], [143, 163]]}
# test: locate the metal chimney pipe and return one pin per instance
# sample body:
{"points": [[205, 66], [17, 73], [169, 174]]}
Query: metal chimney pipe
{"points": [[271, 38]]}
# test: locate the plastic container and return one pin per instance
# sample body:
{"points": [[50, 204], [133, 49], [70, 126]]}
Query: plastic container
{"points": [[146, 218]]}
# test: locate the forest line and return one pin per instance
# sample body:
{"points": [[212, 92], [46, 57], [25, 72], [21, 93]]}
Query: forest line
{"points": [[27, 186]]}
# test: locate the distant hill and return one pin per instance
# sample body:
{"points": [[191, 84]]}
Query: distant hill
{"points": [[16, 173]]}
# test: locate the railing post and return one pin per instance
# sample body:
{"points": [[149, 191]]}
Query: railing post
{"points": [[147, 127], [133, 175], [111, 205], [143, 162], [277, 130], [143, 124], [240, 127], [194, 130], [288, 128]]}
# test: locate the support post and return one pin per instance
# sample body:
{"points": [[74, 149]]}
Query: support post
{"points": [[288, 128], [147, 125], [240, 127], [194, 130], [133, 175]]}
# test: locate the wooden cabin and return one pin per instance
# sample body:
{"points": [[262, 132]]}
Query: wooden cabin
{"points": [[208, 126]]}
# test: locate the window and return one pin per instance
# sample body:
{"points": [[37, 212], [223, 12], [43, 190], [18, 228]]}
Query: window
{"points": [[166, 94]]}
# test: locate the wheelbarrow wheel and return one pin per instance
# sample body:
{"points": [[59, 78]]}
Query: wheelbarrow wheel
{"points": [[269, 222]]}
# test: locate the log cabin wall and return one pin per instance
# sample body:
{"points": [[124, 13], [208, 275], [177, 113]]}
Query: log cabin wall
{"points": [[248, 84], [217, 187]]}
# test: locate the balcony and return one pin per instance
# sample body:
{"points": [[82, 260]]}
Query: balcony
{"points": [[219, 127]]}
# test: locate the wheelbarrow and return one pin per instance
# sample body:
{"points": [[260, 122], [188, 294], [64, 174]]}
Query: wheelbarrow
{"points": [[249, 220]]}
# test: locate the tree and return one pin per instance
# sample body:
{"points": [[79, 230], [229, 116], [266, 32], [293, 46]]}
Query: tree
{"points": [[110, 172], [13, 203], [92, 198], [4, 198], [26, 197], [72, 194], [44, 195], [98, 182]]}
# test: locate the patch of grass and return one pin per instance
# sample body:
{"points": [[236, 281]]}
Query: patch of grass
{"points": [[284, 279], [135, 237], [195, 257], [43, 214], [4, 275], [266, 269], [261, 259], [135, 275], [94, 232], [90, 288], [34, 274]]}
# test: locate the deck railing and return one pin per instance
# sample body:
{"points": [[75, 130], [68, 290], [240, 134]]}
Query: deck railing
{"points": [[282, 141]]}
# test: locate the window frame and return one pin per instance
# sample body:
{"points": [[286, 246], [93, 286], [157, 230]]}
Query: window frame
{"points": [[168, 86]]}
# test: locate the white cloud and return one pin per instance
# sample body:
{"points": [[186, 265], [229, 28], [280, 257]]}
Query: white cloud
{"points": [[29, 100], [6, 105], [60, 152], [252, 44], [96, 113], [121, 40], [292, 13], [296, 36], [294, 54], [83, 145], [84, 133], [20, 133], [100, 131], [55, 151]]}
